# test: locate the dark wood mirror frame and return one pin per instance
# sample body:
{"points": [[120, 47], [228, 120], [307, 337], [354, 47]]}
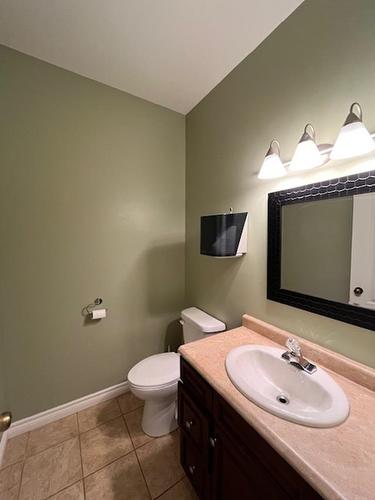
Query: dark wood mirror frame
{"points": [[334, 188]]}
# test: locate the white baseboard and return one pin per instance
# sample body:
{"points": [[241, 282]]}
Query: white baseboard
{"points": [[3, 442], [45, 417]]}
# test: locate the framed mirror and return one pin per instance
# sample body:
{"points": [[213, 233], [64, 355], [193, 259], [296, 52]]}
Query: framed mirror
{"points": [[321, 248]]}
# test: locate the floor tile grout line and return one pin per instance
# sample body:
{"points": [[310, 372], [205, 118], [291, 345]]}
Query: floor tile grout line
{"points": [[140, 445], [101, 424], [170, 487], [105, 465], [23, 466], [47, 425], [78, 428], [140, 466], [101, 468], [143, 475], [62, 489], [78, 435], [79, 440], [132, 411], [118, 404], [17, 461], [54, 493], [139, 463], [127, 428], [156, 438], [21, 462], [64, 440], [80, 455], [122, 414], [127, 453], [125, 413], [52, 446], [12, 465]]}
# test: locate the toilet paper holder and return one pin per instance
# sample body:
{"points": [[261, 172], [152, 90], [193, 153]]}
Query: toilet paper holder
{"points": [[89, 310]]}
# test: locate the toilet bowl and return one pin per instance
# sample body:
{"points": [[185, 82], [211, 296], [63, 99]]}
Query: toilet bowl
{"points": [[155, 379]]}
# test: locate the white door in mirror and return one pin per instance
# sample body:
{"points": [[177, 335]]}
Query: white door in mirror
{"points": [[269, 381], [362, 274]]}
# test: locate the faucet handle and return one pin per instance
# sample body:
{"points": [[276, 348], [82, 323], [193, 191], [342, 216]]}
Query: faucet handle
{"points": [[293, 346]]}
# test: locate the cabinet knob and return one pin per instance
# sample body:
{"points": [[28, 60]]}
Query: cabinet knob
{"points": [[213, 442], [358, 291], [191, 469], [189, 424]]}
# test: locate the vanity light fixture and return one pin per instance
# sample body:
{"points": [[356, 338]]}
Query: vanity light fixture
{"points": [[307, 154], [354, 139], [272, 166]]}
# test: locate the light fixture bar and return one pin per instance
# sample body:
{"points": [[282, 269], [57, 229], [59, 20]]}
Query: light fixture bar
{"points": [[353, 140]]}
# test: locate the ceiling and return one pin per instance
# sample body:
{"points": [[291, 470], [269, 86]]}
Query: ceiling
{"points": [[170, 52]]}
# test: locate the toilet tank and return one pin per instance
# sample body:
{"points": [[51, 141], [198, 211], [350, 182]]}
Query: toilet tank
{"points": [[197, 324]]}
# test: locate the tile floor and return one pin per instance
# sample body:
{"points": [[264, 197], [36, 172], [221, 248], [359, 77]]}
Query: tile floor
{"points": [[97, 454]]}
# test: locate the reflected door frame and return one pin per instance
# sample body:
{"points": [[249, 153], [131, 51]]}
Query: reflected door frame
{"points": [[362, 273]]}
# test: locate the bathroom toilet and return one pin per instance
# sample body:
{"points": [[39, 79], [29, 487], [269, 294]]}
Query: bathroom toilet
{"points": [[155, 379]]}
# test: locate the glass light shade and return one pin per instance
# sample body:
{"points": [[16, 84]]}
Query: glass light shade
{"points": [[272, 167], [306, 156], [353, 140]]}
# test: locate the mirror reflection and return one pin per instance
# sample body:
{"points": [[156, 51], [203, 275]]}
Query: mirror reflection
{"points": [[328, 249]]}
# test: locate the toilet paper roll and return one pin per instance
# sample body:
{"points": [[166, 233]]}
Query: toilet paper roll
{"points": [[98, 313]]}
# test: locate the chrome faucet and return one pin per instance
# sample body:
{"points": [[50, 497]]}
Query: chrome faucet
{"points": [[294, 356]]}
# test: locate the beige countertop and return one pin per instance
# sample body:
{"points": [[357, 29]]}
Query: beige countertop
{"points": [[338, 462]]}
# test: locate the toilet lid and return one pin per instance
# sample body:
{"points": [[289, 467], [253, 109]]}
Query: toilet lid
{"points": [[159, 369]]}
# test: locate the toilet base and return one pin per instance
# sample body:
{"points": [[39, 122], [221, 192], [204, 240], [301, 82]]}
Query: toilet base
{"points": [[159, 417]]}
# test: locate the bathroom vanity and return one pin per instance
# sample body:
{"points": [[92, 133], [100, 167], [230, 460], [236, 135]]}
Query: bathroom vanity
{"points": [[223, 456], [233, 449]]}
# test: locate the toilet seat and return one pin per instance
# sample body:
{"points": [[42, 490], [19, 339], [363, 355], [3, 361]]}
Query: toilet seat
{"points": [[155, 372]]}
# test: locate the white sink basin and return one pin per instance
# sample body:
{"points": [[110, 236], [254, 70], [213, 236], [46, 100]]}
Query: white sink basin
{"points": [[272, 383]]}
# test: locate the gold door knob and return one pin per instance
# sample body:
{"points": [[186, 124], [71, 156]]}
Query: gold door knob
{"points": [[5, 421]]}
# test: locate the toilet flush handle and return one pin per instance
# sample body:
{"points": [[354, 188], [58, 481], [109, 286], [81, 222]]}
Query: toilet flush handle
{"points": [[182, 322]]}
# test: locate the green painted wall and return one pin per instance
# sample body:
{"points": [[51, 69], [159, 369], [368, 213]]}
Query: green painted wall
{"points": [[3, 402], [316, 248], [92, 204], [310, 69]]}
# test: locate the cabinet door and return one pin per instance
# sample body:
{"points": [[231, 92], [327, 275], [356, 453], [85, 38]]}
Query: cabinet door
{"points": [[192, 420], [194, 464], [194, 429], [200, 391], [237, 474], [283, 478]]}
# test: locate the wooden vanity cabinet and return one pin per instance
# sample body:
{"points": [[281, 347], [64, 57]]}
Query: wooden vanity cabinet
{"points": [[223, 456]]}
